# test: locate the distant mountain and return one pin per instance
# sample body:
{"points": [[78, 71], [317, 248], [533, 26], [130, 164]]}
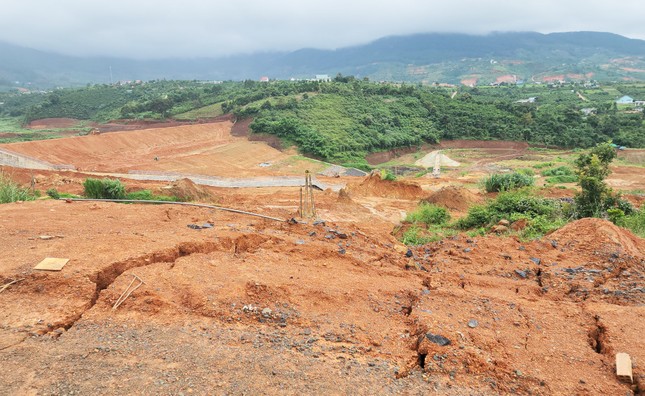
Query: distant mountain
{"points": [[434, 57]]}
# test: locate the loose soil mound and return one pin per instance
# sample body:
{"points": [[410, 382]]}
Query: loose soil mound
{"points": [[600, 235], [374, 186], [453, 198], [186, 190]]}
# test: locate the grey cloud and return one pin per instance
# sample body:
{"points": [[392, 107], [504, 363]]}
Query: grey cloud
{"points": [[201, 28]]}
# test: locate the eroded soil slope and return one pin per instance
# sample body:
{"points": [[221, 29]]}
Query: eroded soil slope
{"points": [[257, 306]]}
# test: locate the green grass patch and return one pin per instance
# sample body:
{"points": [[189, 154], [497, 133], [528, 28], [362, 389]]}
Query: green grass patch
{"points": [[542, 215], [10, 191], [634, 222], [499, 182], [147, 195], [211, 111], [103, 189], [428, 214]]}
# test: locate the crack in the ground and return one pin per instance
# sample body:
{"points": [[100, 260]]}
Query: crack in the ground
{"points": [[598, 337], [14, 344], [108, 275]]}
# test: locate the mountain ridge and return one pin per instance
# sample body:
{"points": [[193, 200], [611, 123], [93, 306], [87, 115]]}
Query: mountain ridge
{"points": [[424, 57]]}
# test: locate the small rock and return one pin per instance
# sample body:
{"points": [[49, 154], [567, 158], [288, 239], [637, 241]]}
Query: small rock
{"points": [[312, 233], [330, 236], [504, 223], [266, 312], [46, 237], [341, 251], [472, 323], [207, 225], [521, 248], [522, 274], [319, 222], [409, 253], [467, 250], [300, 242], [554, 243], [341, 235], [535, 260], [438, 339]]}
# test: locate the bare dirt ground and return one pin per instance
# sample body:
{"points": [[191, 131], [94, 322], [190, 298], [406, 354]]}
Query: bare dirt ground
{"points": [[207, 149], [248, 305]]}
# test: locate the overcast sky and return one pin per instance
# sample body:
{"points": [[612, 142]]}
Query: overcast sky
{"points": [[203, 28]]}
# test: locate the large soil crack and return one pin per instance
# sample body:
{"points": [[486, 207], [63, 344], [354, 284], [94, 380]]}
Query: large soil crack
{"points": [[108, 275]]}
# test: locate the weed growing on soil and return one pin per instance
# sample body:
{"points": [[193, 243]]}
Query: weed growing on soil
{"points": [[428, 214], [506, 182], [561, 174], [634, 222], [104, 188], [541, 215], [147, 195], [10, 191]]}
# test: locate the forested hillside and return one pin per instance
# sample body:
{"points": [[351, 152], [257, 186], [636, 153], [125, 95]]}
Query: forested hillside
{"points": [[346, 119]]}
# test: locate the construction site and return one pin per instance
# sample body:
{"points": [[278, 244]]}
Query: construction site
{"points": [[284, 275]]}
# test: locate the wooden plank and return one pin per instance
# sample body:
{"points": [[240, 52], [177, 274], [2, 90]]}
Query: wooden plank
{"points": [[51, 264], [624, 367]]}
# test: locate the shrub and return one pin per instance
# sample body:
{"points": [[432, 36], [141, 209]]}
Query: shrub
{"points": [[428, 214], [526, 171], [52, 192], [104, 189], [635, 222], [561, 174], [505, 182], [11, 191], [540, 212], [414, 236], [559, 171], [386, 174]]}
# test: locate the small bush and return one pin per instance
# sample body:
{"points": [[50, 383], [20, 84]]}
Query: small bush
{"points": [[52, 192], [542, 214], [11, 191], [634, 222], [414, 236], [561, 174], [428, 214], [559, 171], [388, 175], [104, 188], [505, 182]]}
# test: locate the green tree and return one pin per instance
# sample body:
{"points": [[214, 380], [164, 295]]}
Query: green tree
{"points": [[592, 169]]}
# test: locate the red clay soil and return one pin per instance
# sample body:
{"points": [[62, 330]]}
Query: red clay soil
{"points": [[241, 127], [254, 306], [600, 237], [373, 186], [454, 198]]}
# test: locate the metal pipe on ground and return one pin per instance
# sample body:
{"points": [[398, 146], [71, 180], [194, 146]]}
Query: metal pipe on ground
{"points": [[175, 203]]}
